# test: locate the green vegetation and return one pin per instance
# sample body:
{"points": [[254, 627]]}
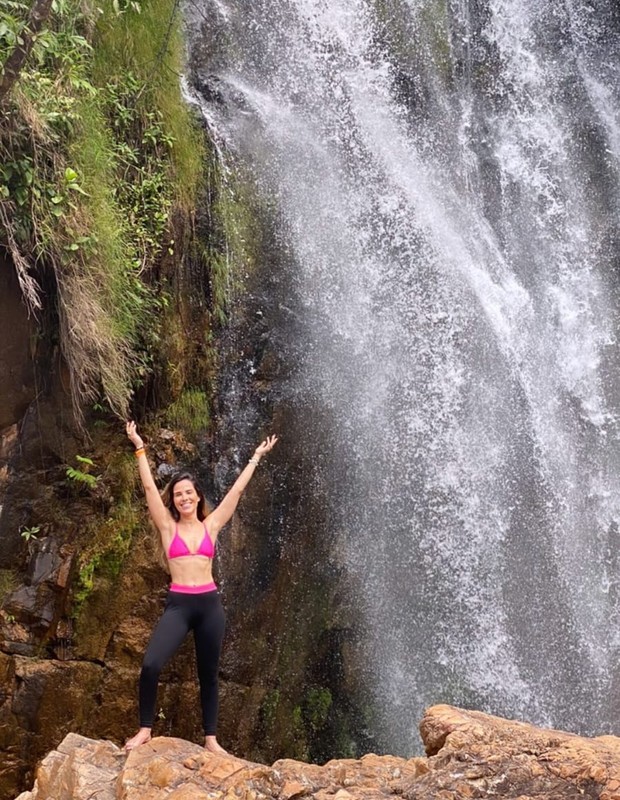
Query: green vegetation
{"points": [[407, 32], [143, 49], [101, 167], [299, 743], [307, 721], [100, 161], [238, 227], [268, 709], [109, 541], [82, 476], [190, 411], [436, 31], [317, 704], [296, 726], [8, 584], [30, 533]]}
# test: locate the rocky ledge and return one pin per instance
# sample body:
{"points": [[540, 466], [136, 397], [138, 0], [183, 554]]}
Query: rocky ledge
{"points": [[469, 755]]}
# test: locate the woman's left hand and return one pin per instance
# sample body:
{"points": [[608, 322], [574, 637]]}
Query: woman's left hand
{"points": [[265, 446]]}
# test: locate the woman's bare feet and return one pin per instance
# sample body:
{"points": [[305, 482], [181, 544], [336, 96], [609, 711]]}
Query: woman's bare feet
{"points": [[211, 744], [142, 737]]}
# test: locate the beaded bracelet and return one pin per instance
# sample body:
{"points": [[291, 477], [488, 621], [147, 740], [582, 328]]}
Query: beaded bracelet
{"points": [[254, 461]]}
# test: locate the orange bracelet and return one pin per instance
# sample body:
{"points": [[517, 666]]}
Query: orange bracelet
{"points": [[140, 451]]}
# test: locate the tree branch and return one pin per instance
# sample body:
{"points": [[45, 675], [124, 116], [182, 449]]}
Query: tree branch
{"points": [[39, 13]]}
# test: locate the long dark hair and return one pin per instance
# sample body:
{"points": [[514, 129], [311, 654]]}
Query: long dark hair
{"points": [[167, 496]]}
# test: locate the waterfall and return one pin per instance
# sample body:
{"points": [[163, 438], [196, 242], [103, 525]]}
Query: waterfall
{"points": [[445, 174]]}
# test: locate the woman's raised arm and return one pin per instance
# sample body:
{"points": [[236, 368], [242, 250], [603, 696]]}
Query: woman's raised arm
{"points": [[158, 511], [221, 515]]}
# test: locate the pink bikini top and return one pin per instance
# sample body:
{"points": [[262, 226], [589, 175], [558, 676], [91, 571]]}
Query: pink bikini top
{"points": [[178, 547]]}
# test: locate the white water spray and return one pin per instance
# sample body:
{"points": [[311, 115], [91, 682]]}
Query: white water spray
{"points": [[445, 179]]}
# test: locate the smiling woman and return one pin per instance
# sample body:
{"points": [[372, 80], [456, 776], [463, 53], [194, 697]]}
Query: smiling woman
{"points": [[188, 532]]}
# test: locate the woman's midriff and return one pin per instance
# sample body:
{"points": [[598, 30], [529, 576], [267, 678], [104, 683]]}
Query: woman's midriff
{"points": [[191, 573], [180, 588]]}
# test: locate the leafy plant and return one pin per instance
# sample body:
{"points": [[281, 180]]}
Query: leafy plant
{"points": [[30, 533], [318, 702], [83, 476], [96, 152]]}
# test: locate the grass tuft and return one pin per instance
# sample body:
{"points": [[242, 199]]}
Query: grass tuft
{"points": [[98, 155]]}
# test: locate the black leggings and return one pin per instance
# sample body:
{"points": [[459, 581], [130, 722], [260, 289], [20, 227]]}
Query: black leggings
{"points": [[202, 613]]}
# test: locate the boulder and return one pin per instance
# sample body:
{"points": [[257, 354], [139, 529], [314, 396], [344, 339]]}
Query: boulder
{"points": [[476, 755], [80, 767], [40, 701], [470, 755], [179, 770]]}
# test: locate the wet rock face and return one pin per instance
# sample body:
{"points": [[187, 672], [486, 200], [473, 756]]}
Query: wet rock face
{"points": [[30, 614], [17, 391], [18, 387], [472, 755]]}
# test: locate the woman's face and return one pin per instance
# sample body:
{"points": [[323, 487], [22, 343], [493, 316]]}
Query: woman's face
{"points": [[185, 497]]}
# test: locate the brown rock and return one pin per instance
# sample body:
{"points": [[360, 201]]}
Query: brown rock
{"points": [[40, 701], [189, 792], [81, 768], [475, 754], [369, 772], [18, 387], [155, 768], [293, 789]]}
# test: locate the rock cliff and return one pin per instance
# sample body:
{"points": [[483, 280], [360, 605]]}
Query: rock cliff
{"points": [[469, 755]]}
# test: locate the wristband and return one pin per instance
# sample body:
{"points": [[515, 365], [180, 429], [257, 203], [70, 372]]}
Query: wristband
{"points": [[140, 451]]}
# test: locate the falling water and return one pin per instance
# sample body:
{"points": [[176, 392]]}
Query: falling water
{"points": [[446, 177]]}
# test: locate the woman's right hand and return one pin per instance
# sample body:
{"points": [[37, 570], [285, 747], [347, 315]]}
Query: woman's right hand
{"points": [[133, 435]]}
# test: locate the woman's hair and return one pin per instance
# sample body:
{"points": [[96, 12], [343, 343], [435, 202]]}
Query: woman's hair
{"points": [[168, 498]]}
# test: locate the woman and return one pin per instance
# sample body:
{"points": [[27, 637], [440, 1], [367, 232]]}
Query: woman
{"points": [[188, 535]]}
